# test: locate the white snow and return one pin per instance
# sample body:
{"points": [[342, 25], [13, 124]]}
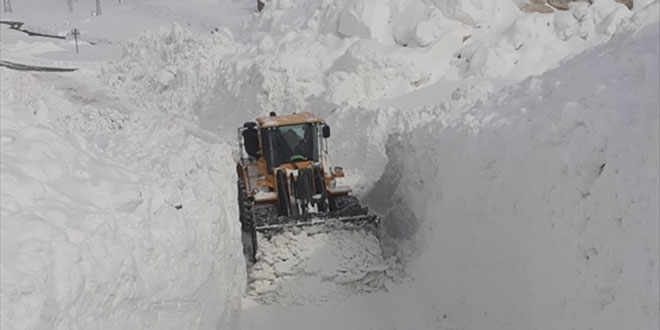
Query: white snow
{"points": [[110, 219], [513, 156], [313, 267], [545, 198], [113, 215]]}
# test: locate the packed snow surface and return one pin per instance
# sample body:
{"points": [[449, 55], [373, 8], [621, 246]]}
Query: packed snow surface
{"points": [[513, 156]]}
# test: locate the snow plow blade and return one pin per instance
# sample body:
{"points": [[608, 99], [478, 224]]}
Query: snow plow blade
{"points": [[269, 225], [357, 219]]}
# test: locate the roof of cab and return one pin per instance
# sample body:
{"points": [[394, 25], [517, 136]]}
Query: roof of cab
{"points": [[291, 119]]}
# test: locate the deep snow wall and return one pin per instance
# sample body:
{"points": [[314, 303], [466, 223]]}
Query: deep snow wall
{"points": [[113, 216], [539, 209]]}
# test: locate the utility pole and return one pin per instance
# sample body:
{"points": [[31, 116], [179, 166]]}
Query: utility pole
{"points": [[75, 34], [98, 8], [6, 5], [69, 3]]}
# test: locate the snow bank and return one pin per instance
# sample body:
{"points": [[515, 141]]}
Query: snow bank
{"points": [[539, 208], [535, 43], [424, 42], [111, 220], [507, 199], [168, 68], [299, 56], [319, 55]]}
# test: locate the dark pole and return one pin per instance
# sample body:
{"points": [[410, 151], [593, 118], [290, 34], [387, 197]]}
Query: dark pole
{"points": [[76, 33]]}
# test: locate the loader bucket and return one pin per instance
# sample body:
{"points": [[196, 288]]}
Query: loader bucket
{"points": [[331, 220], [313, 223]]}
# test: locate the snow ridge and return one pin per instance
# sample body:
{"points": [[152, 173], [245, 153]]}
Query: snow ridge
{"points": [[545, 197], [109, 219]]}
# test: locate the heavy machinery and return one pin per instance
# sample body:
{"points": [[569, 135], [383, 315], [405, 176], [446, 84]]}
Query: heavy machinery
{"points": [[284, 180]]}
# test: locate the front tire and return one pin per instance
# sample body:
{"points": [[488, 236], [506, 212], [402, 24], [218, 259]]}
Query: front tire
{"points": [[246, 217]]}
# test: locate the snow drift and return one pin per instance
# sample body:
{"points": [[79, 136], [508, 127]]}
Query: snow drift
{"points": [[539, 208], [535, 207], [318, 55], [112, 220]]}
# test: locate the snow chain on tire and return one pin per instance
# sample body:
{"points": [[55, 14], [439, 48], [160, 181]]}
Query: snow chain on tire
{"points": [[244, 208]]}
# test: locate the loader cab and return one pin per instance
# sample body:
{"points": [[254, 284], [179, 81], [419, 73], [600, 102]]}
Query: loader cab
{"points": [[291, 143]]}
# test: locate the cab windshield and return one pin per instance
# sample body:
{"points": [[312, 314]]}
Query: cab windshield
{"points": [[288, 144]]}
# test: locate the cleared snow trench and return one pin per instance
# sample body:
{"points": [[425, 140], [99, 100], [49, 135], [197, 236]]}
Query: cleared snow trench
{"points": [[535, 207]]}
